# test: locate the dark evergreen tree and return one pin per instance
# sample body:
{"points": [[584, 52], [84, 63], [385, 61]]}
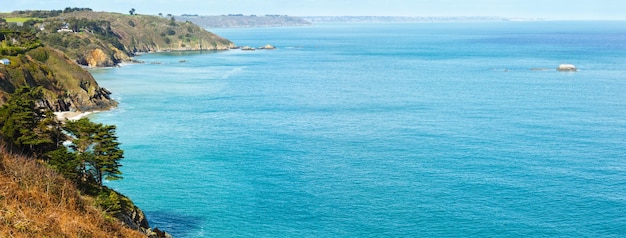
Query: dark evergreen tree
{"points": [[82, 132], [97, 150], [65, 162], [172, 21], [26, 126], [107, 154]]}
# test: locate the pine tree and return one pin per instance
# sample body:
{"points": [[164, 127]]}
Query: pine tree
{"points": [[25, 126], [82, 132], [107, 154], [64, 162], [97, 150]]}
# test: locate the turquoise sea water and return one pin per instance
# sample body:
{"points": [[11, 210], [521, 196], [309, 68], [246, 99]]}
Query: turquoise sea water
{"points": [[381, 130]]}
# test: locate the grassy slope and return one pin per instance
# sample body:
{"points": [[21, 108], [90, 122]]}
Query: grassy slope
{"points": [[147, 33], [67, 86], [21, 19], [36, 202]]}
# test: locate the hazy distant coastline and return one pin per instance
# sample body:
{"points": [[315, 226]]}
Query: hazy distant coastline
{"points": [[244, 21], [366, 19]]}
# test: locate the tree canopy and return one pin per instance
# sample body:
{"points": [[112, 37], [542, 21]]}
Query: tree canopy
{"points": [[97, 148], [92, 155], [26, 127]]}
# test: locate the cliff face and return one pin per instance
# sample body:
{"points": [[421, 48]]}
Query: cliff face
{"points": [[67, 86]]}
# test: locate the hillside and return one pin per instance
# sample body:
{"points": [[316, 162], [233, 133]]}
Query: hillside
{"points": [[236, 21], [100, 39], [37, 202], [67, 86], [143, 33]]}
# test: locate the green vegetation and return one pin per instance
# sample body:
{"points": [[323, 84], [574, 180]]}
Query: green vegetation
{"points": [[30, 129], [102, 39], [22, 19], [172, 21], [96, 147], [150, 33], [93, 155], [25, 126], [92, 34], [47, 14], [64, 84], [13, 42], [37, 202]]}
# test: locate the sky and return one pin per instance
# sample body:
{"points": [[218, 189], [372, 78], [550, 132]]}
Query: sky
{"points": [[548, 9]]}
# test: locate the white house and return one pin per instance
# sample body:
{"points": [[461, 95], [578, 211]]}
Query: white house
{"points": [[5, 61], [65, 28]]}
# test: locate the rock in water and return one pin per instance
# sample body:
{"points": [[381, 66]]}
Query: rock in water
{"points": [[267, 47], [567, 67]]}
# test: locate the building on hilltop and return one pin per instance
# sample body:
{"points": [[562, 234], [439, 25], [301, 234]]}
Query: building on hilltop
{"points": [[65, 28]]}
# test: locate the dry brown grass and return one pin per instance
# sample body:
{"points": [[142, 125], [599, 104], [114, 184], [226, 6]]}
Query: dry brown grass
{"points": [[37, 202]]}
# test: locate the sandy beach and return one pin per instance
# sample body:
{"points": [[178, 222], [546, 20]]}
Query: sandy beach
{"points": [[72, 116]]}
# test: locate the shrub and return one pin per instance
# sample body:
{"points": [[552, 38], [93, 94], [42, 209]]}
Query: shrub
{"points": [[109, 201], [39, 54]]}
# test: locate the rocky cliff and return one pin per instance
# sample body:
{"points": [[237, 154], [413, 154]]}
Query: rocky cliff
{"points": [[135, 219], [67, 86]]}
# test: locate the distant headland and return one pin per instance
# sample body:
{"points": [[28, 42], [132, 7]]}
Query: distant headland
{"points": [[243, 21]]}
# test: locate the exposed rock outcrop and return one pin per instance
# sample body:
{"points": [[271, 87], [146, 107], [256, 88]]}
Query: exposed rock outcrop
{"points": [[567, 68], [96, 58], [66, 86], [135, 219], [267, 47]]}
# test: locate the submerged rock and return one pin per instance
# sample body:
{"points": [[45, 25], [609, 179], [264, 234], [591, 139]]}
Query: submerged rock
{"points": [[567, 68]]}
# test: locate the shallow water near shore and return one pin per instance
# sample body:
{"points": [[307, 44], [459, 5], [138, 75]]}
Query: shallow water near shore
{"points": [[383, 130]]}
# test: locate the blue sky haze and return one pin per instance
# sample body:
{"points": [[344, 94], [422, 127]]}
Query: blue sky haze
{"points": [[549, 9]]}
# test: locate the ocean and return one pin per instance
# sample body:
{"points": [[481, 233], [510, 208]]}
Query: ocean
{"points": [[380, 130]]}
